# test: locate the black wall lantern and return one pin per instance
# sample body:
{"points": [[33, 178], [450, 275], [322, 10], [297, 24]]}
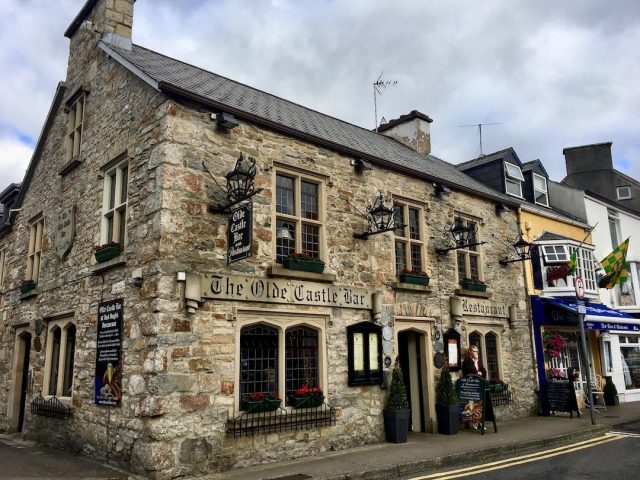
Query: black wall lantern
{"points": [[240, 185], [521, 251], [380, 217], [462, 234]]}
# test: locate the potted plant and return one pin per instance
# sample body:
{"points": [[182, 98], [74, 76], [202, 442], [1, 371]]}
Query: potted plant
{"points": [[107, 251], [415, 277], [474, 285], [260, 402], [306, 397], [304, 262], [447, 404], [610, 393], [498, 386], [397, 412], [27, 286]]}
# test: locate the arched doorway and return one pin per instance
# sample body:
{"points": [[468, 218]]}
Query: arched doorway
{"points": [[21, 381]]}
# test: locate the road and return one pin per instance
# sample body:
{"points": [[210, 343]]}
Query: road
{"points": [[614, 455]]}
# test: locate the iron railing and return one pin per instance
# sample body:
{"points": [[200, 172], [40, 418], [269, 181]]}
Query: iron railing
{"points": [[504, 397], [52, 407], [281, 420]]}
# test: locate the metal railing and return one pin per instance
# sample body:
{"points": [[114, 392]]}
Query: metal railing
{"points": [[51, 407]]}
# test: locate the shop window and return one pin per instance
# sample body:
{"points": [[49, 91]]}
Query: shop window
{"points": [[409, 240], [298, 214], [488, 351], [114, 204], [513, 179], [364, 341], [468, 258], [75, 120], [630, 358], [60, 358], [35, 249]]}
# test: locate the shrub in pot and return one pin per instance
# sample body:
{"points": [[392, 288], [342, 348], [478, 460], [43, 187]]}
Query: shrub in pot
{"points": [[610, 393], [397, 412], [447, 404]]}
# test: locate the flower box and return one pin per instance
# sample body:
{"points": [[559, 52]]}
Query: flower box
{"points": [[107, 252], [260, 403], [27, 286], [415, 278], [474, 285], [306, 397], [304, 263], [498, 387]]}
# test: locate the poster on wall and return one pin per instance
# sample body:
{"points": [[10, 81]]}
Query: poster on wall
{"points": [[108, 377], [240, 233]]}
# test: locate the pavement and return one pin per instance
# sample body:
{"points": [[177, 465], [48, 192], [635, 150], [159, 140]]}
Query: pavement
{"points": [[423, 453]]}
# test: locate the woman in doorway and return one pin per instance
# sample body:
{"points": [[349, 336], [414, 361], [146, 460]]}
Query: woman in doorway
{"points": [[471, 363]]}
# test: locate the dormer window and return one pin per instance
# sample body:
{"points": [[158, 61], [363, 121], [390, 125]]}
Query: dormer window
{"points": [[540, 192], [624, 193], [513, 179]]}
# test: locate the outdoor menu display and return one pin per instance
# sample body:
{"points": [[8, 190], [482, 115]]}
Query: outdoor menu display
{"points": [[561, 396], [472, 391], [108, 379]]}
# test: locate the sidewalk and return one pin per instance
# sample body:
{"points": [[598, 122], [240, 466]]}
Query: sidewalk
{"points": [[425, 452]]}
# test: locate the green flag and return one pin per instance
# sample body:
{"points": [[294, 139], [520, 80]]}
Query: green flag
{"points": [[615, 266]]}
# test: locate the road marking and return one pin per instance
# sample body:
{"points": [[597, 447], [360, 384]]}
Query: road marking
{"points": [[532, 457], [625, 434]]}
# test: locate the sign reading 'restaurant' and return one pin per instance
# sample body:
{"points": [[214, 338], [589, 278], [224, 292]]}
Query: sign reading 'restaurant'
{"points": [[252, 289], [484, 308]]}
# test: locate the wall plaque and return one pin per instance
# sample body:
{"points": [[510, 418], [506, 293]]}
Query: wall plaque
{"points": [[253, 289], [108, 379], [239, 233], [484, 308], [65, 230]]}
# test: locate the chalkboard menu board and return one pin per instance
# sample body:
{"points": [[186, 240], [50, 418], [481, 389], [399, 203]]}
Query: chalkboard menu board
{"points": [[477, 407], [471, 388], [561, 396]]}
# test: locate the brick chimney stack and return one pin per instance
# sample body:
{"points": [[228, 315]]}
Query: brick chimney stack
{"points": [[412, 129], [112, 18]]}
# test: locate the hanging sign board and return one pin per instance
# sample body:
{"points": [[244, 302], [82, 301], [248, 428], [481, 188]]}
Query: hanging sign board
{"points": [[108, 377], [239, 233]]}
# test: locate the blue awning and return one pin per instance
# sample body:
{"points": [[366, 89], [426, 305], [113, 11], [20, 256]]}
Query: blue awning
{"points": [[598, 316]]}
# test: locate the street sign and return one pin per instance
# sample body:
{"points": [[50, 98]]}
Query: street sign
{"points": [[582, 308], [579, 284]]}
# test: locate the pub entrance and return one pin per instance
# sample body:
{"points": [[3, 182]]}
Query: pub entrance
{"points": [[21, 381], [411, 354]]}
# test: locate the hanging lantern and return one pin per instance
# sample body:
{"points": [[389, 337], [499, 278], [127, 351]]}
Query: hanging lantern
{"points": [[240, 180], [381, 219]]}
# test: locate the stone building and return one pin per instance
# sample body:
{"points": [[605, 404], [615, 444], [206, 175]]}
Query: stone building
{"points": [[154, 342]]}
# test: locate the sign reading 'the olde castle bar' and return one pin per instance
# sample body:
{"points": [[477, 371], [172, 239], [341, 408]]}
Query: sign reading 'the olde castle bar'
{"points": [[252, 289]]}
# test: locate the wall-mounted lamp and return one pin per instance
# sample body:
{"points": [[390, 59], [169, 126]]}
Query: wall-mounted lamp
{"points": [[520, 251], [361, 165], [226, 121], [239, 184], [381, 218], [442, 190], [501, 209], [463, 235]]}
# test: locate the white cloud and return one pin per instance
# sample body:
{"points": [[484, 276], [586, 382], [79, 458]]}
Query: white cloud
{"points": [[14, 158]]}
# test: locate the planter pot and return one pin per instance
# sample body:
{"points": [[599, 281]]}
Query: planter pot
{"points": [[259, 406], [474, 286], [396, 425], [448, 418], [311, 400], [414, 279], [610, 393], [107, 253], [295, 263], [27, 286], [498, 387]]}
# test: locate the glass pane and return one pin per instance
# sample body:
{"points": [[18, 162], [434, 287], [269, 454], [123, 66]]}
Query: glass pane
{"points": [[301, 359], [112, 189], [284, 195], [473, 234], [514, 172], [491, 342], [309, 200], [542, 198], [125, 183], [630, 357], [285, 239], [462, 267], [539, 183], [414, 226], [258, 360], [416, 257], [401, 257], [514, 188], [399, 217], [475, 270], [311, 240], [474, 340], [68, 361], [55, 361]]}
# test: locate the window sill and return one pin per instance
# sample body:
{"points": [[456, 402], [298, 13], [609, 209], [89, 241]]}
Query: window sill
{"points": [[461, 292], [411, 287], [64, 400], [30, 294], [116, 262], [280, 272], [70, 166]]}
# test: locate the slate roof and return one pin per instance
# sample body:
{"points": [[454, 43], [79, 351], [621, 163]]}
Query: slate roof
{"points": [[553, 237], [483, 160], [209, 88]]}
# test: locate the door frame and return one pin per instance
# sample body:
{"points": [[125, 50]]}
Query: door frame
{"points": [[22, 340]]}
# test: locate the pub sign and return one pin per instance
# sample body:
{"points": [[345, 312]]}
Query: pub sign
{"points": [[239, 233], [108, 379]]}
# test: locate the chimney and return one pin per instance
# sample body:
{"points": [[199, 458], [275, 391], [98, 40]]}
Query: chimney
{"points": [[588, 158], [412, 129], [112, 18]]}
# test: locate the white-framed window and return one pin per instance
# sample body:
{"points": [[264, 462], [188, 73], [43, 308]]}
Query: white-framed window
{"points": [[278, 354], [75, 119], [623, 193], [555, 253], [630, 359], [3, 261], [488, 343], [60, 357], [114, 204], [540, 192], [299, 215], [409, 240], [35, 249], [468, 258], [614, 227], [513, 179], [554, 272]]}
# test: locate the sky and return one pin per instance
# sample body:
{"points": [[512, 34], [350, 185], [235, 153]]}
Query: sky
{"points": [[550, 74]]}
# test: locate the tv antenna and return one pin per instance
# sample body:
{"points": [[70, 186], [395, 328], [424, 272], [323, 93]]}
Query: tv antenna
{"points": [[380, 86], [480, 125]]}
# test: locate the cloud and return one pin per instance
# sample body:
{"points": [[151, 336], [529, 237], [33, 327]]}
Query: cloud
{"points": [[14, 157]]}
